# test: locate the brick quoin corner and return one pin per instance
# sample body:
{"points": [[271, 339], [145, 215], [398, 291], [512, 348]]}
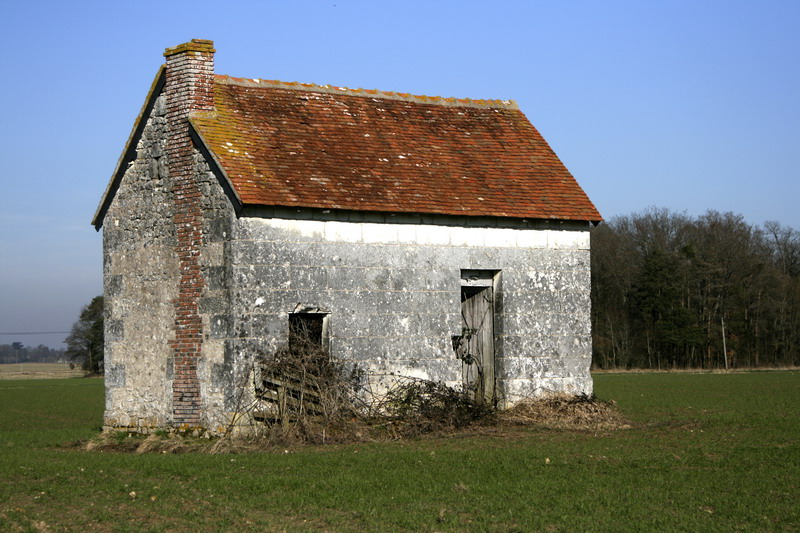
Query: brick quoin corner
{"points": [[189, 87]]}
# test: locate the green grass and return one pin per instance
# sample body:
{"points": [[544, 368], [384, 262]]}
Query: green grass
{"points": [[707, 452]]}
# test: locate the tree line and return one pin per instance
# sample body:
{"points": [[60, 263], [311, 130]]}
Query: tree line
{"points": [[673, 291], [16, 352]]}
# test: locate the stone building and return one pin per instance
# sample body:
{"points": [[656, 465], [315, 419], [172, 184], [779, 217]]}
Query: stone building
{"points": [[421, 236]]}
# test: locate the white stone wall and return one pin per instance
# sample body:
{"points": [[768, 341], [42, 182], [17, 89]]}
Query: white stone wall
{"points": [[392, 288]]}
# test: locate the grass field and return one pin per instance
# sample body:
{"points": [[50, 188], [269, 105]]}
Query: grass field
{"points": [[707, 452]]}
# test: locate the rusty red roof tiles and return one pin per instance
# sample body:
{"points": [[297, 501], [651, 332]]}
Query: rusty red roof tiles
{"points": [[302, 145]]}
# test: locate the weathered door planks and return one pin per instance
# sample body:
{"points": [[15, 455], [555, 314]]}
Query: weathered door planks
{"points": [[477, 311]]}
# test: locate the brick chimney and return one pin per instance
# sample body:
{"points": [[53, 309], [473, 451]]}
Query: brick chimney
{"points": [[189, 87]]}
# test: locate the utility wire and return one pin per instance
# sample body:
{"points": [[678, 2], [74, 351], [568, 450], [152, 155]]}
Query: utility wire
{"points": [[32, 332]]}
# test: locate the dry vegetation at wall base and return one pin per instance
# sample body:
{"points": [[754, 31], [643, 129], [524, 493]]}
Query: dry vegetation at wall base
{"points": [[705, 452], [304, 396]]}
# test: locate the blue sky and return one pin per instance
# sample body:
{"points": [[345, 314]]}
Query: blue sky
{"points": [[688, 105]]}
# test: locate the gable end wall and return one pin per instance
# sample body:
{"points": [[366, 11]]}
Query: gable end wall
{"points": [[140, 284], [142, 276]]}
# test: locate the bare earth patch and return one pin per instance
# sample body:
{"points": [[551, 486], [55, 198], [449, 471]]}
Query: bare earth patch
{"points": [[39, 371]]}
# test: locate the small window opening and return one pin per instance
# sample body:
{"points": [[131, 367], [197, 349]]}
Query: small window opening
{"points": [[307, 332], [292, 383]]}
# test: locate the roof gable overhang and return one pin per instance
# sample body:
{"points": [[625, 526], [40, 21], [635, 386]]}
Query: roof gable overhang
{"points": [[129, 153], [215, 165]]}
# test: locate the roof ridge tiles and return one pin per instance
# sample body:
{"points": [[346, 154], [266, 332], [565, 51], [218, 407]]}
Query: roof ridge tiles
{"points": [[367, 93]]}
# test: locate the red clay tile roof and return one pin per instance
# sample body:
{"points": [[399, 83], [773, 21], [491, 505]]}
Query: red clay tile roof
{"points": [[289, 144]]}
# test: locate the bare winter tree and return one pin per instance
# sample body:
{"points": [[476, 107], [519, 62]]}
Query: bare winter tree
{"points": [[85, 341]]}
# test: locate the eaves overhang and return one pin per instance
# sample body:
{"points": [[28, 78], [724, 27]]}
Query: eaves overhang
{"points": [[129, 153]]}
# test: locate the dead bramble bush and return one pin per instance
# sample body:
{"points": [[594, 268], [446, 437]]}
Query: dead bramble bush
{"points": [[414, 407]]}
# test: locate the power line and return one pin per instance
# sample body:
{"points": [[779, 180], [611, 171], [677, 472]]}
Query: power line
{"points": [[32, 332]]}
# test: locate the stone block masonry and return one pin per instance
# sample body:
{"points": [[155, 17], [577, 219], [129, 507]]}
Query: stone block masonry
{"points": [[392, 290]]}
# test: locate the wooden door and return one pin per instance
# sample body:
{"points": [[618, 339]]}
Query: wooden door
{"points": [[477, 342]]}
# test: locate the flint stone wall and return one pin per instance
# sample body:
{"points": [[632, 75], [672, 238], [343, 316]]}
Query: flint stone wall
{"points": [[141, 273], [140, 278]]}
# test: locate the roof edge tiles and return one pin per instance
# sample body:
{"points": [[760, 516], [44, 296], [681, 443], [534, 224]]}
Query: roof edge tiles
{"points": [[366, 93]]}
